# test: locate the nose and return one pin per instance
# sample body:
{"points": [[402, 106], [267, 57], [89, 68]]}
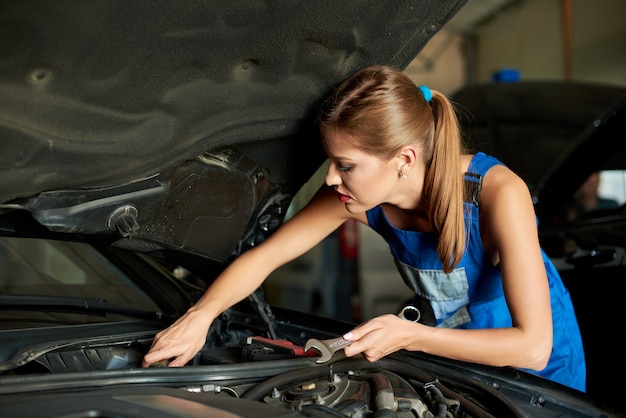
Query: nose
{"points": [[332, 176]]}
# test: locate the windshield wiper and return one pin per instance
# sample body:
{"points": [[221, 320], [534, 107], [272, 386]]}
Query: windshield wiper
{"points": [[72, 305]]}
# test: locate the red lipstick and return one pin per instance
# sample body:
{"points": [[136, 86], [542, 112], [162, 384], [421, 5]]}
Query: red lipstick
{"points": [[344, 198]]}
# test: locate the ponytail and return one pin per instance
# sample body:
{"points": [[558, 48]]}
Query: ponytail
{"points": [[444, 183]]}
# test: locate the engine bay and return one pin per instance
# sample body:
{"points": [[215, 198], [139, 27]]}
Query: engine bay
{"points": [[346, 387], [244, 363]]}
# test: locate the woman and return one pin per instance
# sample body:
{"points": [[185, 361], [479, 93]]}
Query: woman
{"points": [[461, 227]]}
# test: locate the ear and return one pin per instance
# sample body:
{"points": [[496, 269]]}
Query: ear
{"points": [[406, 157]]}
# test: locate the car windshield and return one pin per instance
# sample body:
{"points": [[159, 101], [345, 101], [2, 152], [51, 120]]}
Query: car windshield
{"points": [[602, 193], [612, 186], [45, 281]]}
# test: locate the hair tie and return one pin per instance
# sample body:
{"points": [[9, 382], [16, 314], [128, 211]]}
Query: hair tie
{"points": [[428, 95]]}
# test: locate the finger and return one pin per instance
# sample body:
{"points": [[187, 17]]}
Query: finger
{"points": [[355, 348], [149, 359], [364, 329], [180, 361], [357, 333], [156, 355], [350, 336], [372, 358], [156, 341]]}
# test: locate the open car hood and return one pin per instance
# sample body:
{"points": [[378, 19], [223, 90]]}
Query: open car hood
{"points": [[553, 134], [182, 125], [531, 125]]}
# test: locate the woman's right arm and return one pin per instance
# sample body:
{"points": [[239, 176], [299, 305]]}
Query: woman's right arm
{"points": [[183, 339]]}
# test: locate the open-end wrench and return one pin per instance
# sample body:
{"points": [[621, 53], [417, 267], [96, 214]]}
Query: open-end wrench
{"points": [[326, 347], [329, 347]]}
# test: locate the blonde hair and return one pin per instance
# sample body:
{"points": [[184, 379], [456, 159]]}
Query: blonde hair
{"points": [[385, 110]]}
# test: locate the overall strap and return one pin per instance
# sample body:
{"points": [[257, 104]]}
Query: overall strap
{"points": [[473, 178]]}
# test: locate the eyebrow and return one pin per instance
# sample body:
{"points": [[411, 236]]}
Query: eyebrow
{"points": [[341, 158]]}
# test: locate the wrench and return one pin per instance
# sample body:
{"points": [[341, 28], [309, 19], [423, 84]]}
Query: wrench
{"points": [[326, 347], [329, 347]]}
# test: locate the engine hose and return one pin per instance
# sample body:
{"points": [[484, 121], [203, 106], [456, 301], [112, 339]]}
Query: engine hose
{"points": [[503, 404], [442, 401], [288, 379], [384, 396], [318, 371], [505, 407]]}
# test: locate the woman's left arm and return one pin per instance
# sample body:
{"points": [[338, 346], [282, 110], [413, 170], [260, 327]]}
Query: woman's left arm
{"points": [[509, 231]]}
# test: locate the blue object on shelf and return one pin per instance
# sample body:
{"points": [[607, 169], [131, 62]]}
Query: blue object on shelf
{"points": [[506, 75]]}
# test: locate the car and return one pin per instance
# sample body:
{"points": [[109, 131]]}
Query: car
{"points": [[558, 136], [147, 144]]}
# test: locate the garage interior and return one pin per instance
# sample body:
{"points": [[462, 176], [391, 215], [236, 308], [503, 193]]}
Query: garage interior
{"points": [[540, 40], [573, 40]]}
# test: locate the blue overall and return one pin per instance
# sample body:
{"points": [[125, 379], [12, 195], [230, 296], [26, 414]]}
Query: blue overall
{"points": [[471, 296]]}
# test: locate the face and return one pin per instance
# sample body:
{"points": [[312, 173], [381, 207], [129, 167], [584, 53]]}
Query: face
{"points": [[362, 181]]}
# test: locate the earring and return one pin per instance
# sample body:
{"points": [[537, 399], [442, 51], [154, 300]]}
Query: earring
{"points": [[402, 174]]}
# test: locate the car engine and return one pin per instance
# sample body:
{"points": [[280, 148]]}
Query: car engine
{"points": [[242, 364]]}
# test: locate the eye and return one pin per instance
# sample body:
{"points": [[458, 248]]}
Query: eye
{"points": [[345, 168]]}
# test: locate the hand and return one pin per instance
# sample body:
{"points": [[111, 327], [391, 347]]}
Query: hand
{"points": [[379, 337], [180, 341]]}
